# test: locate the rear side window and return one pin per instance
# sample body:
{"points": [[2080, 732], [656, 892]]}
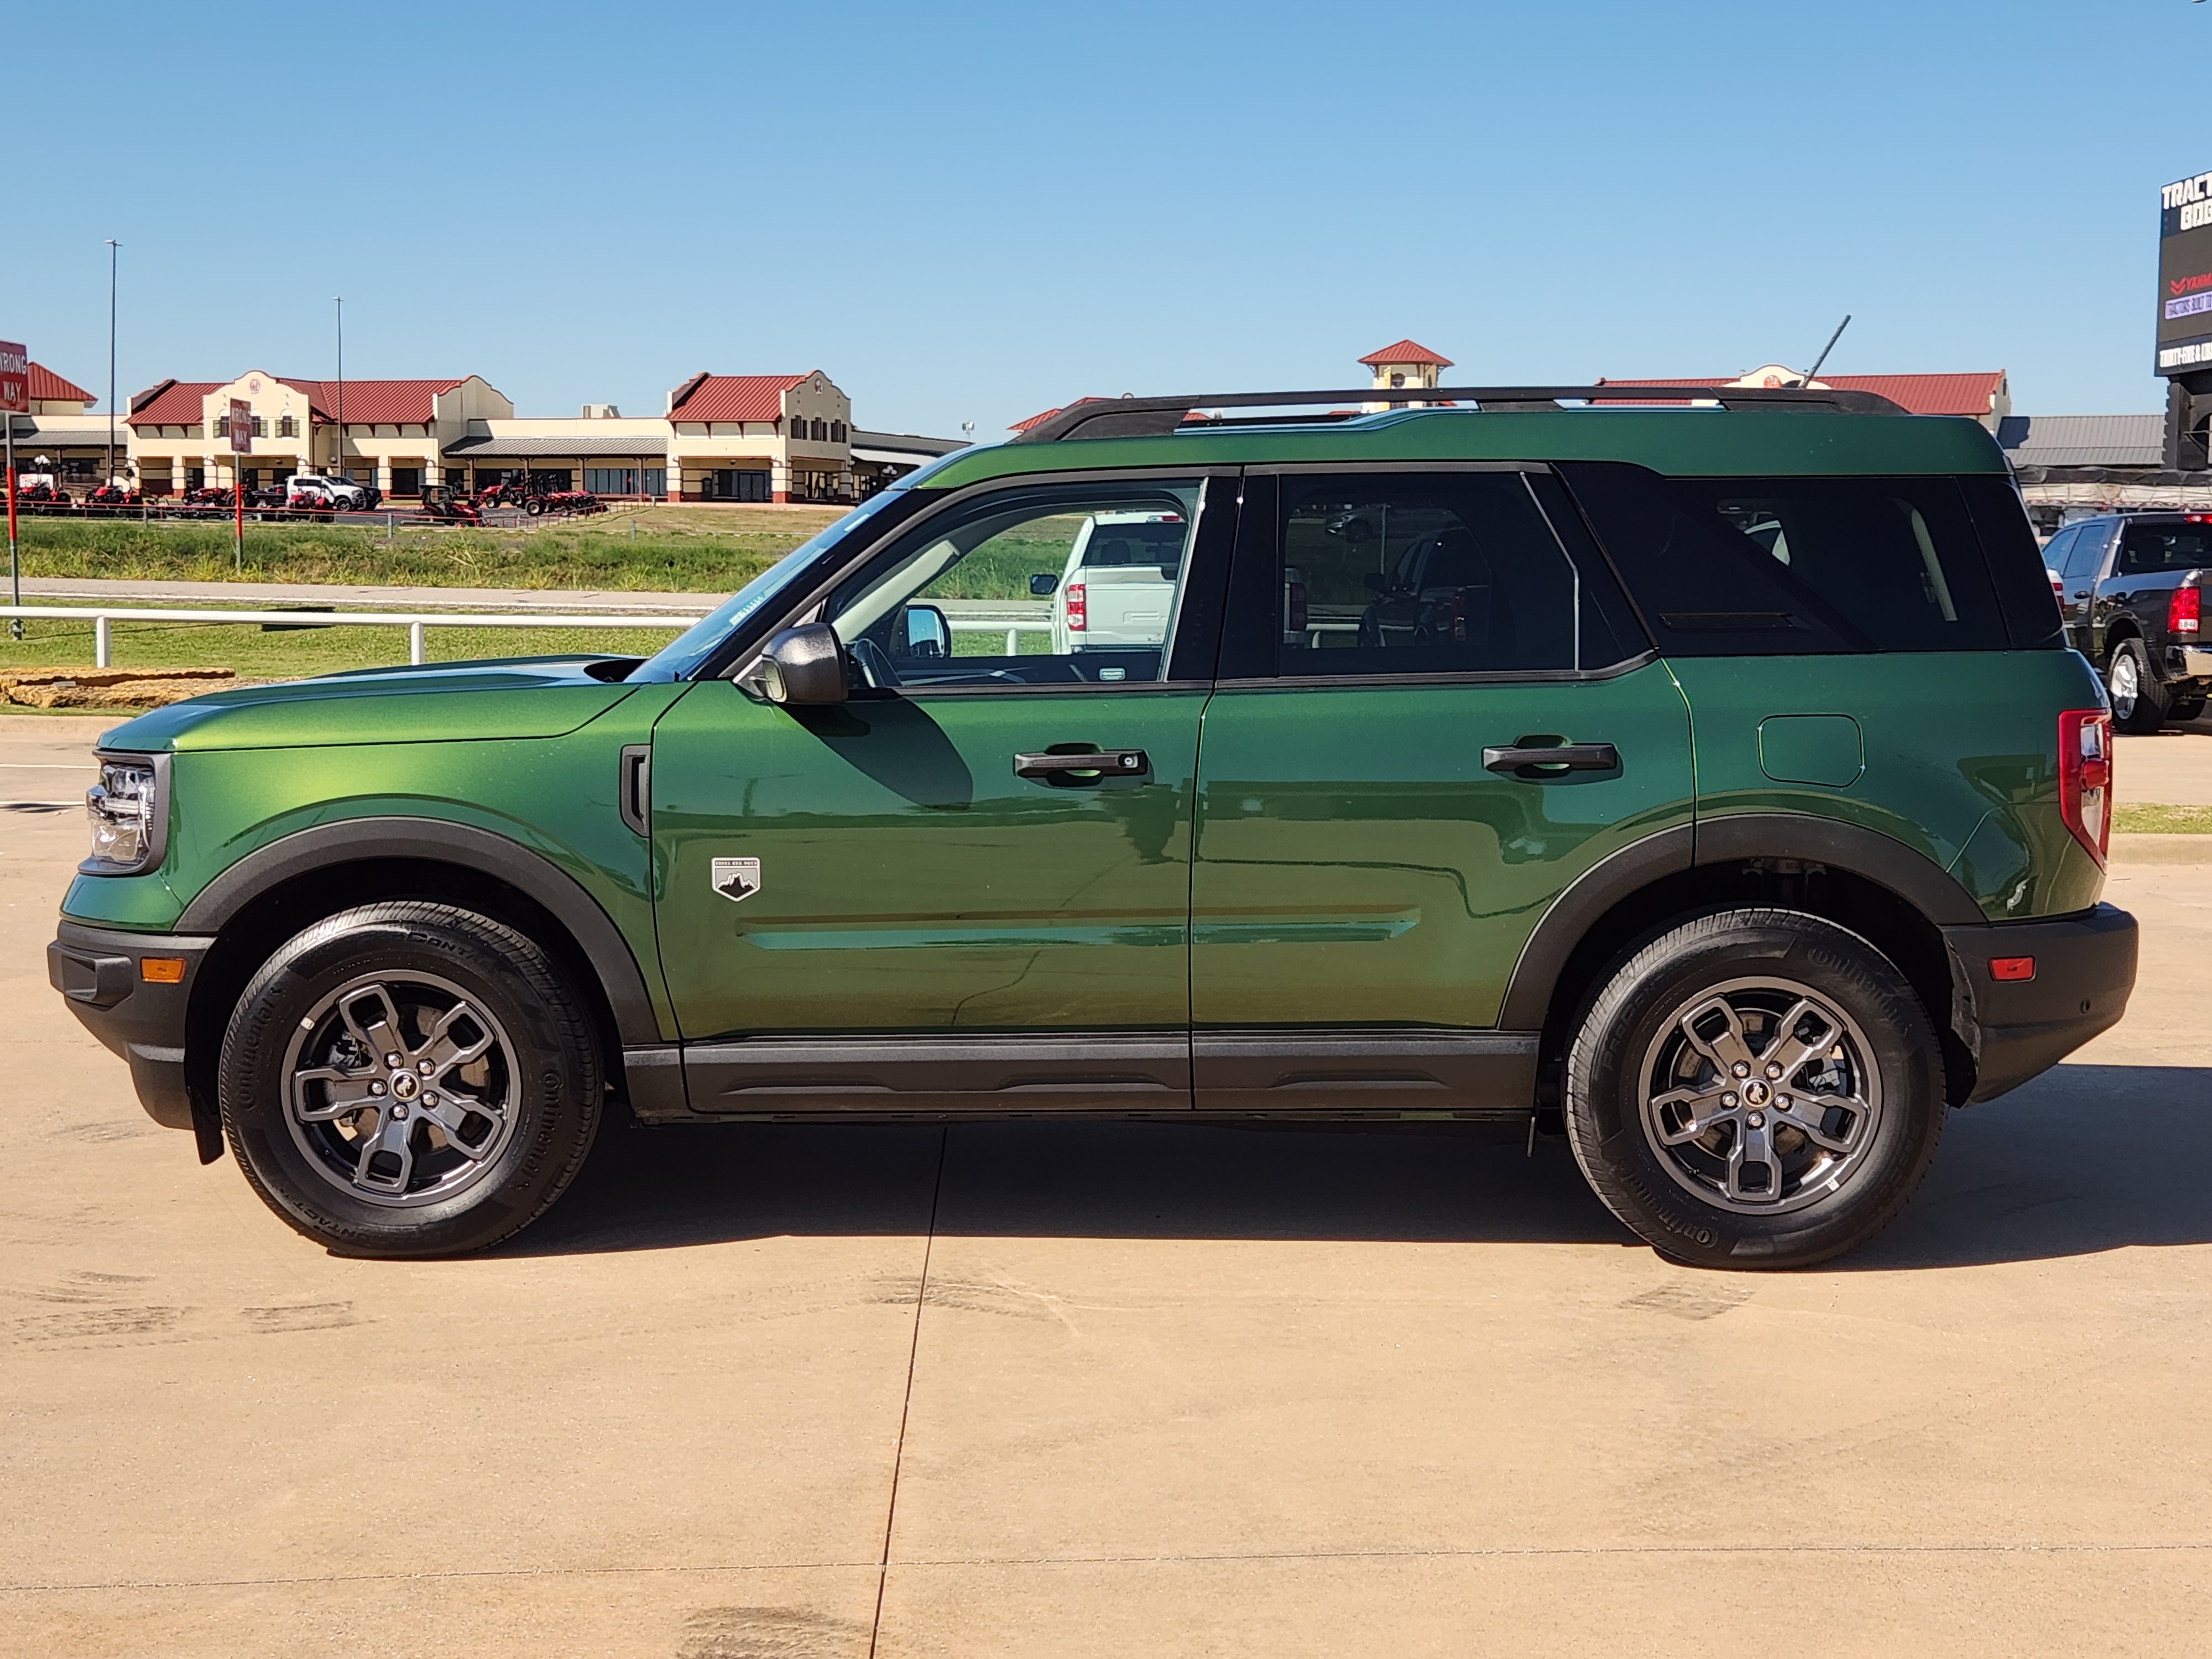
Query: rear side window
{"points": [[2146, 548], [1774, 567], [1393, 573]]}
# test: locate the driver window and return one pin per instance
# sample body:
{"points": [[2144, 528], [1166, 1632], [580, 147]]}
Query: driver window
{"points": [[1048, 585]]}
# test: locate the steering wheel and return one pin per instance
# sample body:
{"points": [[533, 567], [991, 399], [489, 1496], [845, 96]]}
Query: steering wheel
{"points": [[875, 665]]}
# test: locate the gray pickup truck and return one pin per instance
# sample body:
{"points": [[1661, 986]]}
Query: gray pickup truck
{"points": [[2129, 586]]}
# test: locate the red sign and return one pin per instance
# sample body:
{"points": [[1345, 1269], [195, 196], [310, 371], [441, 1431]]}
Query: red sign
{"points": [[241, 426], [14, 378]]}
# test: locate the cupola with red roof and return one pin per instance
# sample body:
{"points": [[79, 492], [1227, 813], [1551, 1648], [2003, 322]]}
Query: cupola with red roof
{"points": [[1408, 363]]}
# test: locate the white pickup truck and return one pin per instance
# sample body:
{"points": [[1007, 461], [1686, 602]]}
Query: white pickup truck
{"points": [[1117, 591]]}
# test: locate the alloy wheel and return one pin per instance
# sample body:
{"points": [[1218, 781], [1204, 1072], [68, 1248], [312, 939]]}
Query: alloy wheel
{"points": [[401, 1089], [1760, 1096]]}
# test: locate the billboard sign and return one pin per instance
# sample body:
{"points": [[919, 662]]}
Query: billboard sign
{"points": [[14, 378], [241, 426], [2185, 276]]}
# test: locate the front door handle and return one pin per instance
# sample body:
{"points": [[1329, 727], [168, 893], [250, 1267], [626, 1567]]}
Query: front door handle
{"points": [[1106, 763], [1538, 761]]}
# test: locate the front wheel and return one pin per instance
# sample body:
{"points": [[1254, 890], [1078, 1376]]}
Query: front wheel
{"points": [[1756, 1088], [2139, 701], [410, 1080]]}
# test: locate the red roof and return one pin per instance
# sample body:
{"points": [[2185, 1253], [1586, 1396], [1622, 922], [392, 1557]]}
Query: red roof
{"points": [[1040, 418], [46, 387], [374, 402], [171, 403], [1405, 351], [732, 396], [368, 403], [1917, 394]]}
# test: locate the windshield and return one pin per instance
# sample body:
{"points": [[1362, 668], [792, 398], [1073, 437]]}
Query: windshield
{"points": [[682, 656]]}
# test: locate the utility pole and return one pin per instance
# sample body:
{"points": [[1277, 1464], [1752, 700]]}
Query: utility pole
{"points": [[113, 245], [338, 461]]}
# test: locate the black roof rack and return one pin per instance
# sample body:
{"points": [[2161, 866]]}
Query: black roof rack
{"points": [[1153, 417]]}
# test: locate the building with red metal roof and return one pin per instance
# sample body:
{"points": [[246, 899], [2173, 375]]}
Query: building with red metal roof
{"points": [[1985, 395]]}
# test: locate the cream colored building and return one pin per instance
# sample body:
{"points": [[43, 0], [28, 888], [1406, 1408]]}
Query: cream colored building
{"points": [[393, 434], [722, 437]]}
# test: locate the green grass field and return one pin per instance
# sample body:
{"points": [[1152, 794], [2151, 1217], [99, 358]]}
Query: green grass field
{"points": [[673, 549], [2147, 818]]}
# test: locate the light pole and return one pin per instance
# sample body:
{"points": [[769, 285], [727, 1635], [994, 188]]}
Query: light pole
{"points": [[337, 460], [112, 245]]}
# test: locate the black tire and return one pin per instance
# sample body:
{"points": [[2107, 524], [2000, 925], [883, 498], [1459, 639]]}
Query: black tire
{"points": [[2141, 709], [540, 1068], [1671, 1196]]}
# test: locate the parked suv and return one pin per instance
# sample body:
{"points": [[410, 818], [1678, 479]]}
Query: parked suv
{"points": [[309, 490], [2129, 587], [1712, 785]]}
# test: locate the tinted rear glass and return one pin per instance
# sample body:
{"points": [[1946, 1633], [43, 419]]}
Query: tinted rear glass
{"points": [[2145, 548], [1777, 567]]}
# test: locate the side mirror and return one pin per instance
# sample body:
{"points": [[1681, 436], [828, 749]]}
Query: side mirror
{"points": [[1374, 581], [926, 632], [1044, 588], [803, 665]]}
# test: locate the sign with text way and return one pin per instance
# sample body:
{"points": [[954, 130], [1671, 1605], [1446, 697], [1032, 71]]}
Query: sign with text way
{"points": [[241, 426], [14, 378]]}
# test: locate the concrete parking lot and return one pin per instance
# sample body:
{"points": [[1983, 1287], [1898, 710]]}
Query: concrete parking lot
{"points": [[1092, 1389]]}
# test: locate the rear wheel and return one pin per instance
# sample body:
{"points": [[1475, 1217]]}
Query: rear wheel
{"points": [[1755, 1089], [2139, 703], [2185, 708], [408, 1079]]}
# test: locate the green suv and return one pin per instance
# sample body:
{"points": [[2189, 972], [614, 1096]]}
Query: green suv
{"points": [[1704, 777]]}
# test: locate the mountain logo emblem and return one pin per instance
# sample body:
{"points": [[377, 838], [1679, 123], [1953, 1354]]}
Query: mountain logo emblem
{"points": [[736, 879]]}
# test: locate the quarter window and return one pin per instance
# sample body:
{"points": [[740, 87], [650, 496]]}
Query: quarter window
{"points": [[1762, 567]]}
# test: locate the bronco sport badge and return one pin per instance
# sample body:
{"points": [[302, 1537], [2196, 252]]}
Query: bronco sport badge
{"points": [[735, 879]]}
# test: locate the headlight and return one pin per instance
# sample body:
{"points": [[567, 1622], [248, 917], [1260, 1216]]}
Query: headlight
{"points": [[129, 813]]}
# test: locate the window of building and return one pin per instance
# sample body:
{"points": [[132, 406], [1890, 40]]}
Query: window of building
{"points": [[195, 477], [287, 426], [406, 480], [260, 426], [737, 484], [837, 432]]}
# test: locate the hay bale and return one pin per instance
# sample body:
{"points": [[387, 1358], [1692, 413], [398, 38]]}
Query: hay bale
{"points": [[107, 688]]}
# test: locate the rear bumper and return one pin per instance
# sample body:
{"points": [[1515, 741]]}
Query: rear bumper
{"points": [[98, 972], [2085, 967], [2188, 662]]}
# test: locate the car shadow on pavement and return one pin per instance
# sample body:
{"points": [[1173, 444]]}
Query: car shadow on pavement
{"points": [[2084, 1159]]}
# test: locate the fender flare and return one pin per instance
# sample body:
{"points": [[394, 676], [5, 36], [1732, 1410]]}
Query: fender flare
{"points": [[359, 841], [1890, 864]]}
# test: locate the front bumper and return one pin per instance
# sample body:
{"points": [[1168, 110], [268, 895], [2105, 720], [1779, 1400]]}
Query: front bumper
{"points": [[2085, 967], [98, 973]]}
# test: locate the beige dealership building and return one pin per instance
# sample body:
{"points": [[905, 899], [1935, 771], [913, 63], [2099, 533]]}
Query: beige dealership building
{"points": [[722, 437]]}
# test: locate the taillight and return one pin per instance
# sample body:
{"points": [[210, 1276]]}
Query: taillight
{"points": [[1078, 614], [1294, 603], [2085, 777], [2182, 610]]}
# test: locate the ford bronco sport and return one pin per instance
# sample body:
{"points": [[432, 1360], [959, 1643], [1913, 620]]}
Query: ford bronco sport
{"points": [[1703, 776]]}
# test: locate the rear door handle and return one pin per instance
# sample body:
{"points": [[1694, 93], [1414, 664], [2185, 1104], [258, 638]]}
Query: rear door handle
{"points": [[1115, 763], [1558, 758]]}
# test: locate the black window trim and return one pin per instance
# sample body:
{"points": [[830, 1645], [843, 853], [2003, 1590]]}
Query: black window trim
{"points": [[1628, 665], [735, 661]]}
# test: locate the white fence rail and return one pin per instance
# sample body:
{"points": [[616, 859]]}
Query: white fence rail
{"points": [[414, 621]]}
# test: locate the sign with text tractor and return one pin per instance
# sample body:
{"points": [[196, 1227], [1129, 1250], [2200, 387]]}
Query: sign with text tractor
{"points": [[2185, 276]]}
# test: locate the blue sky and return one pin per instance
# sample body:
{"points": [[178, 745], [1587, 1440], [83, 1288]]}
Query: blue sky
{"points": [[970, 212]]}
